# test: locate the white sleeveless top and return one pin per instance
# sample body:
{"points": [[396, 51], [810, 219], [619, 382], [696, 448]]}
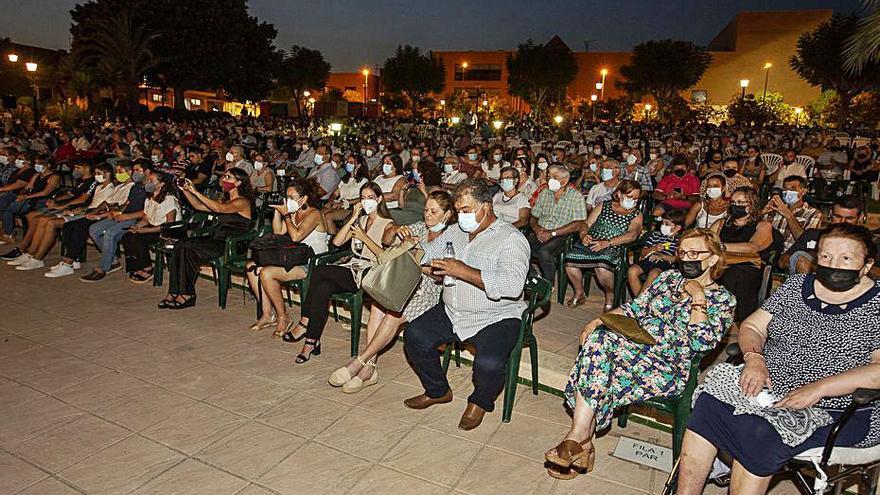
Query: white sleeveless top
{"points": [[317, 241], [705, 219], [351, 190], [387, 184]]}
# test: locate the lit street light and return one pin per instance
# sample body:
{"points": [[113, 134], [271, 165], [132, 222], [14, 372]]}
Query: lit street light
{"points": [[455, 120], [797, 115], [557, 119], [32, 68], [743, 83], [648, 108], [604, 73], [497, 124], [766, 78], [12, 57], [366, 73], [593, 99]]}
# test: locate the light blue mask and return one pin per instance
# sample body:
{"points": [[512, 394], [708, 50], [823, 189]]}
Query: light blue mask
{"points": [[790, 197]]}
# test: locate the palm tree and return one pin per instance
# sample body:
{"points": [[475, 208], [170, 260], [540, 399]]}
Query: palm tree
{"points": [[119, 47], [863, 47]]}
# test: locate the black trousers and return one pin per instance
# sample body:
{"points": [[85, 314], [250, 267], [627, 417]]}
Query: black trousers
{"points": [[547, 253], [324, 281], [186, 259], [744, 282], [137, 250], [74, 236], [493, 345]]}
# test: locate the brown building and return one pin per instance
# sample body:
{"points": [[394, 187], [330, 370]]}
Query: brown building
{"points": [[351, 84], [740, 51]]}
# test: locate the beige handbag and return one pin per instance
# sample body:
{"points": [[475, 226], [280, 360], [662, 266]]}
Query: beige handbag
{"points": [[394, 277]]}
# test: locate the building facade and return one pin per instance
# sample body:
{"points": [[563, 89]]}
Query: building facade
{"points": [[741, 51]]}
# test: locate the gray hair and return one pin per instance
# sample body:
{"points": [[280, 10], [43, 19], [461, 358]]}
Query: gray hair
{"points": [[513, 170], [475, 188], [562, 169]]}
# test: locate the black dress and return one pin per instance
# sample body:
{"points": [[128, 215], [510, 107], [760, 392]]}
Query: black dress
{"points": [[189, 255], [743, 280]]}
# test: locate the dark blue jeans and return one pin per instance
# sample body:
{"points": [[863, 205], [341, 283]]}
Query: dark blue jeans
{"points": [[14, 209], [493, 345]]}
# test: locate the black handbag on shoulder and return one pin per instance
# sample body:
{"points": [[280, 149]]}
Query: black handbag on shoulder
{"points": [[279, 250]]}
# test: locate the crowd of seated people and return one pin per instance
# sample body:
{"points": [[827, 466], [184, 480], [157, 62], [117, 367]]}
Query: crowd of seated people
{"points": [[679, 225]]}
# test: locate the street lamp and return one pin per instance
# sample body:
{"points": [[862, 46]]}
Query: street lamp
{"points": [[743, 83], [604, 73], [797, 115], [557, 119], [766, 78], [32, 68], [366, 73], [12, 57], [648, 108], [455, 120], [599, 86], [593, 99], [497, 124]]}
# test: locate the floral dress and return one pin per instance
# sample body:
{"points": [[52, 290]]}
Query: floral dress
{"points": [[612, 371], [427, 294], [607, 226]]}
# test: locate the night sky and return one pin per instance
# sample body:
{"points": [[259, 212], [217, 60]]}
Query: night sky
{"points": [[354, 33]]}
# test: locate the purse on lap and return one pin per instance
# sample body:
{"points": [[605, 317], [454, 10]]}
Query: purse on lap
{"points": [[393, 278], [627, 327]]}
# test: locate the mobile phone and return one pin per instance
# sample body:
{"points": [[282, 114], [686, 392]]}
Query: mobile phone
{"points": [[677, 190]]}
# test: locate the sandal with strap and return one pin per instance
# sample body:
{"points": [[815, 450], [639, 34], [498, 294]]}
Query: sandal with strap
{"points": [[356, 384], [560, 473], [288, 336], [175, 304], [567, 453], [316, 351]]}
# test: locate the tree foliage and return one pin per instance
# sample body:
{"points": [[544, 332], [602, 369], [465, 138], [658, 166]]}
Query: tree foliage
{"points": [[819, 61], [863, 46], [663, 69], [540, 74], [414, 74], [765, 111], [303, 69]]}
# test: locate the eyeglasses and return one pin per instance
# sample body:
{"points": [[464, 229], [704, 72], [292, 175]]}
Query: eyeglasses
{"points": [[690, 254]]}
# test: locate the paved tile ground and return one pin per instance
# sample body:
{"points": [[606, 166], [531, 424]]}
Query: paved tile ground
{"points": [[100, 392]]}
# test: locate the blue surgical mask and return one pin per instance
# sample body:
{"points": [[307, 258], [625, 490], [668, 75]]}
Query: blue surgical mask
{"points": [[349, 167], [607, 174], [150, 187], [507, 185], [790, 197]]}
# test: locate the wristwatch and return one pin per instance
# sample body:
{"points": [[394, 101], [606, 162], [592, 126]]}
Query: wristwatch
{"points": [[553, 234]]}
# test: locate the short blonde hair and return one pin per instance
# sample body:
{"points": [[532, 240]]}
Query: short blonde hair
{"points": [[715, 246]]}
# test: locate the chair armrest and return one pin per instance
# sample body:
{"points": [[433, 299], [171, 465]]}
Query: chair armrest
{"points": [[861, 397], [330, 257]]}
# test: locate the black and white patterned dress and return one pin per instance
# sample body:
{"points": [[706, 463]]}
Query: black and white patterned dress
{"points": [[427, 295], [808, 340]]}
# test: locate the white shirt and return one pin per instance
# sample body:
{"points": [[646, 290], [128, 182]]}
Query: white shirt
{"points": [[501, 253], [102, 194], [157, 213], [794, 168], [507, 209], [454, 178], [120, 194], [598, 194], [351, 189]]}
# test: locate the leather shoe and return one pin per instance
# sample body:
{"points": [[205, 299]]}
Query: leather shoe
{"points": [[472, 417], [424, 402]]}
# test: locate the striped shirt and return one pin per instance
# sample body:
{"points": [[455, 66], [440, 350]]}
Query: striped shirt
{"points": [[501, 253]]}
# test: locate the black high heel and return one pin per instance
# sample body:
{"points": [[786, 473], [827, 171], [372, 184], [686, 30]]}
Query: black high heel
{"points": [[289, 337], [184, 304], [316, 351]]}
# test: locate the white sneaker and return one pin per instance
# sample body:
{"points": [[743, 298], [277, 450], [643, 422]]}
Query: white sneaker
{"points": [[77, 265], [31, 264], [24, 258], [62, 270]]}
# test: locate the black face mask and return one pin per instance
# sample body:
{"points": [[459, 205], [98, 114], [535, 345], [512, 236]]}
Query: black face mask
{"points": [[679, 172], [737, 211], [837, 279], [691, 269], [729, 173]]}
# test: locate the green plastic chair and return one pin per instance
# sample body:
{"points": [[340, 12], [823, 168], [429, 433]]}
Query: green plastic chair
{"points": [[537, 292], [192, 222], [233, 260], [678, 406], [620, 271], [354, 300]]}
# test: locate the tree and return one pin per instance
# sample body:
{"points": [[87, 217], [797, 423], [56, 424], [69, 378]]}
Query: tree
{"points": [[863, 46], [414, 74], [819, 61], [663, 69], [540, 73], [769, 110], [111, 38], [303, 69]]}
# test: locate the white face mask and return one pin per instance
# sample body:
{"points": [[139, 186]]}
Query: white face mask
{"points": [[415, 158], [448, 168], [369, 153], [349, 167], [370, 205], [713, 192], [507, 185], [155, 158], [437, 228], [229, 157], [40, 168], [628, 203], [319, 159], [631, 159], [554, 185], [497, 158], [607, 174], [387, 168], [468, 222], [19, 163], [99, 179], [472, 156], [597, 151], [258, 165], [292, 205], [666, 230], [542, 165]]}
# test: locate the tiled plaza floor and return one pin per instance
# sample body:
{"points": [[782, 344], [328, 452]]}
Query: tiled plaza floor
{"points": [[100, 392]]}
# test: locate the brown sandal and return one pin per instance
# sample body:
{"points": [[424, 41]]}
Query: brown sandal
{"points": [[571, 453], [564, 474]]}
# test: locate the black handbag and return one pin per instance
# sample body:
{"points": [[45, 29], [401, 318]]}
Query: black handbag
{"points": [[279, 250]]}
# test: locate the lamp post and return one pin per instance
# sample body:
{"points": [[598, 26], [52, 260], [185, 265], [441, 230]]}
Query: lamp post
{"points": [[366, 73], [593, 99], [601, 89], [648, 108], [797, 115], [743, 83], [32, 69], [766, 78]]}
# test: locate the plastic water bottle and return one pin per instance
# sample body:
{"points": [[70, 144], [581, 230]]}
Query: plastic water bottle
{"points": [[449, 253]]}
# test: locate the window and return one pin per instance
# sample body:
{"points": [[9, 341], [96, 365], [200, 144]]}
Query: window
{"points": [[195, 102], [157, 97], [478, 72]]}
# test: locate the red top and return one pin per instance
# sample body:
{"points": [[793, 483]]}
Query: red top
{"points": [[689, 184]]}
